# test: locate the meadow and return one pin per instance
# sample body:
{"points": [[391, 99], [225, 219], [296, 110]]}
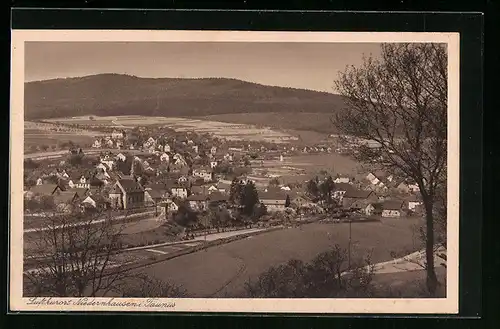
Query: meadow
{"points": [[222, 271]]}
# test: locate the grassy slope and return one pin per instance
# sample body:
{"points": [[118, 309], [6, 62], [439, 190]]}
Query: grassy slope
{"points": [[114, 94]]}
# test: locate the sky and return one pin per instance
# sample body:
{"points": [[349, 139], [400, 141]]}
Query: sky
{"points": [[312, 66]]}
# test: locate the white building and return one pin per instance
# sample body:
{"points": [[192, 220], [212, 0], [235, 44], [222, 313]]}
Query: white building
{"points": [[204, 173]]}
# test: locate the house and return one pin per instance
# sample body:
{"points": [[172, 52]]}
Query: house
{"points": [[116, 134], [198, 202], [342, 179], [179, 191], [273, 200], [355, 199], [301, 201], [81, 192], [46, 189], [110, 143], [126, 194], [97, 144], [96, 201], [171, 206], [62, 174], [212, 188], [182, 180], [198, 190], [378, 179], [414, 202], [341, 189], [213, 150], [205, 173], [392, 208], [108, 161], [228, 157], [121, 157], [153, 196], [39, 181], [164, 157], [217, 199], [65, 201], [179, 161], [166, 148], [103, 167], [79, 180], [407, 187], [195, 148]]}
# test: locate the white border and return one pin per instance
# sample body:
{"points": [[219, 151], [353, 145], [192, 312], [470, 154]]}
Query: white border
{"points": [[448, 305]]}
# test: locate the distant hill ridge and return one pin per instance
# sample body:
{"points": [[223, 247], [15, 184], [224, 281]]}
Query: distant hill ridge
{"points": [[119, 94]]}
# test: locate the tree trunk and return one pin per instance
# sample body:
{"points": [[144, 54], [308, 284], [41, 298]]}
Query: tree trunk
{"points": [[432, 281]]}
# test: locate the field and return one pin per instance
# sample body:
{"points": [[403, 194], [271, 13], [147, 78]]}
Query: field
{"points": [[303, 167], [223, 270], [226, 130], [317, 122], [47, 136]]}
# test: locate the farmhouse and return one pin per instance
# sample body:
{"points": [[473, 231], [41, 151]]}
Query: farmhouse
{"points": [[126, 194], [273, 200], [392, 208]]}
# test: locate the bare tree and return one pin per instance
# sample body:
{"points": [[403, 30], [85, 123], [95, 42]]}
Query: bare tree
{"points": [[73, 256], [400, 101]]}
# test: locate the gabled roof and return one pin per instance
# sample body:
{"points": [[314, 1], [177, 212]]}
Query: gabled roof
{"points": [[217, 197], [45, 189], [65, 197], [197, 197], [81, 192], [343, 187], [130, 185], [272, 195], [392, 205], [358, 194], [156, 194]]}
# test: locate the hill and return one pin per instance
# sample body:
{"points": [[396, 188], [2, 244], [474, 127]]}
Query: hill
{"points": [[116, 94]]}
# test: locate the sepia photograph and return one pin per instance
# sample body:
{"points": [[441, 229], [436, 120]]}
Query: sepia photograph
{"points": [[234, 171]]}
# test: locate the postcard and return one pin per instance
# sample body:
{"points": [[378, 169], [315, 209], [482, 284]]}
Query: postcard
{"points": [[234, 171]]}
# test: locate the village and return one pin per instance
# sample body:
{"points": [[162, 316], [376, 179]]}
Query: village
{"points": [[183, 176]]}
